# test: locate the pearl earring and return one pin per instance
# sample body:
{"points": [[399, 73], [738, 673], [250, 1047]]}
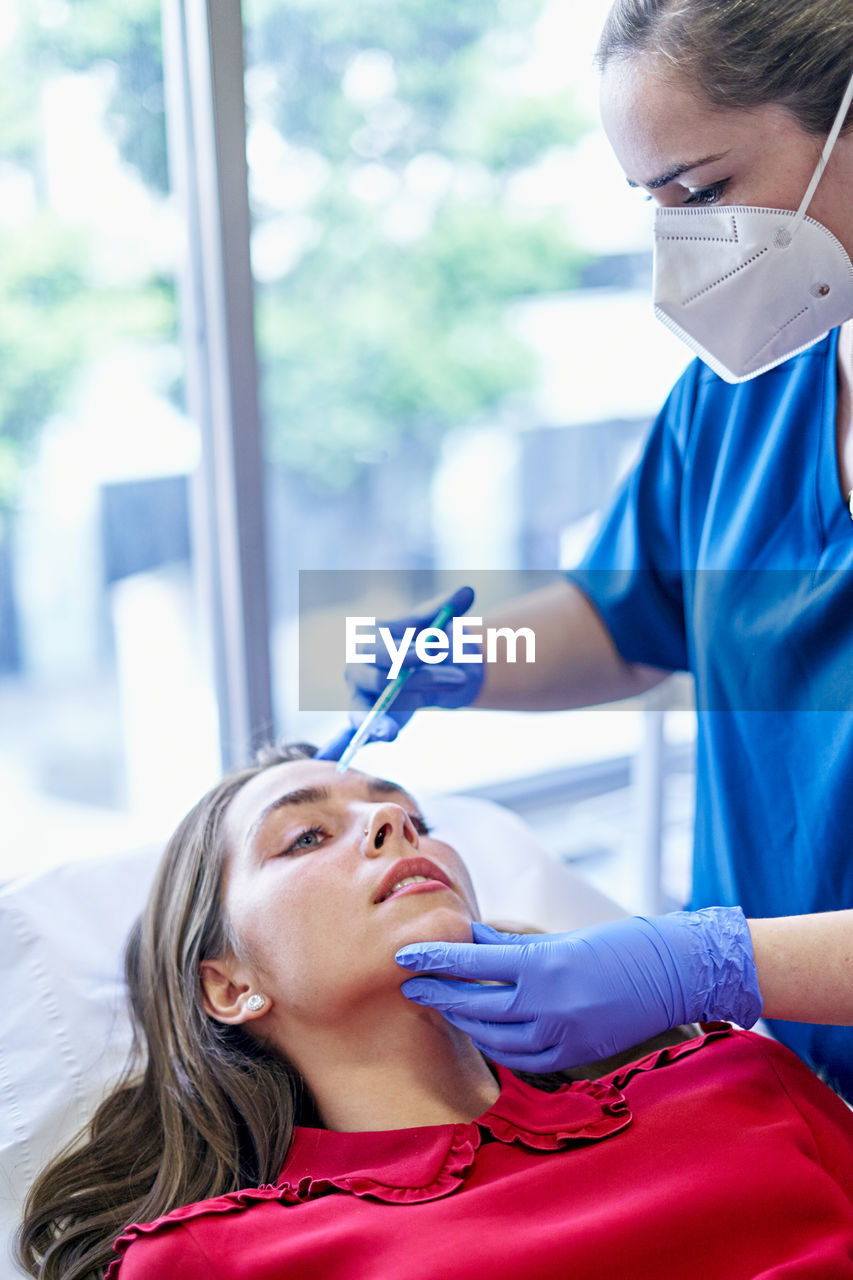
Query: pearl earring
{"points": [[256, 1002]]}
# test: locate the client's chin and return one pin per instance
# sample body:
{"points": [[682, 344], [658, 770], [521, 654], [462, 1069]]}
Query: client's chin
{"points": [[440, 924]]}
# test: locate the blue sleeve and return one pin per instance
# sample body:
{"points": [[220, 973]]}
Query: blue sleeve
{"points": [[632, 572]]}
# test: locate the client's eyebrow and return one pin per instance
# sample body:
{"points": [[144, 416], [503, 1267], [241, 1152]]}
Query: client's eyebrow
{"points": [[303, 795], [316, 795], [665, 178]]}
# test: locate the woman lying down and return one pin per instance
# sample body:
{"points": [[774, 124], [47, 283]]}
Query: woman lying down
{"points": [[299, 1117]]}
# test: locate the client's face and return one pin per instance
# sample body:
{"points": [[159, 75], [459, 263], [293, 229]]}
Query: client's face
{"points": [[328, 875]]}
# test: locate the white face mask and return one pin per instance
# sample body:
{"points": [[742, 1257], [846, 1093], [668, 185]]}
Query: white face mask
{"points": [[747, 288]]}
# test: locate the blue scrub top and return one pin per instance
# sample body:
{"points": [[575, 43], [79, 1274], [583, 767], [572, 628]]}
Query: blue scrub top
{"points": [[727, 553]]}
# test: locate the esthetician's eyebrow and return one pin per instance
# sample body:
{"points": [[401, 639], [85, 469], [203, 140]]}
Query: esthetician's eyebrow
{"points": [[316, 795], [665, 178]]}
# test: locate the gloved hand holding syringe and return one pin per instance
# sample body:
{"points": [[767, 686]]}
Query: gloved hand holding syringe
{"points": [[418, 684]]}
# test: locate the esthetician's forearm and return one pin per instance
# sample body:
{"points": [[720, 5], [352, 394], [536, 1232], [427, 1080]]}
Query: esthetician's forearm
{"points": [[577, 663], [805, 967]]}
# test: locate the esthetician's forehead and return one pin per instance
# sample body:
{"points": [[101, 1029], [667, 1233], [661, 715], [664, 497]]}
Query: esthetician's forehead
{"points": [[653, 124], [657, 123], [246, 811]]}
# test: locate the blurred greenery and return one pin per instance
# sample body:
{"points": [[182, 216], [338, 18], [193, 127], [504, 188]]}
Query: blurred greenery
{"points": [[52, 323], [384, 314], [60, 307], [391, 321]]}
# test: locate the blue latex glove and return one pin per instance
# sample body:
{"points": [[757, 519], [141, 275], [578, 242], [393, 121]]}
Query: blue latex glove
{"points": [[442, 684], [384, 730], [577, 997]]}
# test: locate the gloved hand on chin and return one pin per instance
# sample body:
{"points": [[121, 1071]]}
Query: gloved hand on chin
{"points": [[573, 998]]}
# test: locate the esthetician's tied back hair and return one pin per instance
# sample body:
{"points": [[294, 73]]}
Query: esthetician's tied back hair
{"points": [[742, 54], [203, 1108]]}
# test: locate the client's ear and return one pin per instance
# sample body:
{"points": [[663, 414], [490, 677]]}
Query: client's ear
{"points": [[226, 994]]}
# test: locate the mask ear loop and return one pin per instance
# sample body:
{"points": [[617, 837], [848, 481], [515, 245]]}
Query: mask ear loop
{"points": [[825, 154]]}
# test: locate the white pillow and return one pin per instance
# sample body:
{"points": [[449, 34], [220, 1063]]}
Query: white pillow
{"points": [[514, 875], [64, 1033]]}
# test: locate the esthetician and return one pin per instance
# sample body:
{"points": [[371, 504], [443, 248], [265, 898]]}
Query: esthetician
{"points": [[728, 553]]}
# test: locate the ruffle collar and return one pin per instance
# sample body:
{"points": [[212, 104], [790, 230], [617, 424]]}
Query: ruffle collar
{"points": [[410, 1165]]}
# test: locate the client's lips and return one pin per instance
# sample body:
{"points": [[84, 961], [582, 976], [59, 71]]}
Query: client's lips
{"points": [[410, 867]]}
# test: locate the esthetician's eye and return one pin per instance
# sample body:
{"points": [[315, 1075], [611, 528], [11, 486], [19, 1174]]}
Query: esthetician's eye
{"points": [[708, 195], [308, 839]]}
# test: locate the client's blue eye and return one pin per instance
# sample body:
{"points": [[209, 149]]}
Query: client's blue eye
{"points": [[308, 839], [313, 837]]}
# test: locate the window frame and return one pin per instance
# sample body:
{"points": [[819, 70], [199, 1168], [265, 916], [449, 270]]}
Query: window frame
{"points": [[203, 72]]}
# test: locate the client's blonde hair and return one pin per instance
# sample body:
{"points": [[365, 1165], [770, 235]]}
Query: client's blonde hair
{"points": [[202, 1109]]}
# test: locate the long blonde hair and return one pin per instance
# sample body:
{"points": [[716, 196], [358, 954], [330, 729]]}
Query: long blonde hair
{"points": [[743, 54], [202, 1109]]}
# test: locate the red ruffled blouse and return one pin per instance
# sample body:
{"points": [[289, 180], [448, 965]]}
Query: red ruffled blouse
{"points": [[723, 1157]]}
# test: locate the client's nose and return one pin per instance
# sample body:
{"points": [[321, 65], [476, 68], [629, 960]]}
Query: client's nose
{"points": [[387, 823]]}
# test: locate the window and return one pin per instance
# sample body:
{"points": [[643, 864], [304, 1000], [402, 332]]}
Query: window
{"points": [[107, 721], [457, 360]]}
